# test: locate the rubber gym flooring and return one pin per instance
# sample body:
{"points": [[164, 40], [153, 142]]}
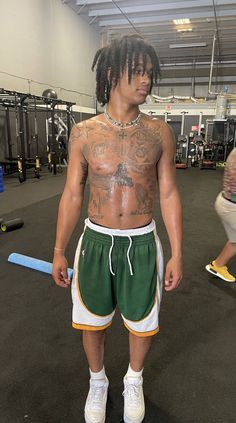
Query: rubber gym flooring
{"points": [[190, 373]]}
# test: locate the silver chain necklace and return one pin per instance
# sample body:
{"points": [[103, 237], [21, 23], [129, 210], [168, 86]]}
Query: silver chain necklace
{"points": [[119, 124]]}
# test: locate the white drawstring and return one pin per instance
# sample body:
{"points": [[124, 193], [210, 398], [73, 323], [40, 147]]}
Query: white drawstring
{"points": [[128, 258], [121, 232], [110, 251]]}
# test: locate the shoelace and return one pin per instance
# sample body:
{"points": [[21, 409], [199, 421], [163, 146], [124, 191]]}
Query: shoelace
{"points": [[97, 393], [132, 391]]}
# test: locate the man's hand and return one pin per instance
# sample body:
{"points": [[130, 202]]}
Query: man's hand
{"points": [[173, 274], [59, 271]]}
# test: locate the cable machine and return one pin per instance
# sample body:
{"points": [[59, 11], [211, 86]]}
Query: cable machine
{"points": [[182, 146], [26, 154]]}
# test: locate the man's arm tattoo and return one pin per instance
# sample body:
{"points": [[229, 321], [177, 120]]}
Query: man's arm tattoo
{"points": [[84, 168]]}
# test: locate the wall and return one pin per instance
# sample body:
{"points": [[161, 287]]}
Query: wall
{"points": [[46, 41]]}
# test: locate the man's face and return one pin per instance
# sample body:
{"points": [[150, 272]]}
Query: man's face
{"points": [[139, 87]]}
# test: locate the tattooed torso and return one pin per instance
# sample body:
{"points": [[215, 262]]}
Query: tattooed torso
{"points": [[121, 168]]}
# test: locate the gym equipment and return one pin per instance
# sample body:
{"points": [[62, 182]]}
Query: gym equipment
{"points": [[221, 107], [10, 99], [7, 103], [166, 116], [192, 153], [11, 225], [196, 143], [20, 136], [206, 158], [61, 137], [35, 138], [57, 136], [50, 94], [23, 153], [1, 179], [182, 146], [35, 264], [52, 146], [224, 134]]}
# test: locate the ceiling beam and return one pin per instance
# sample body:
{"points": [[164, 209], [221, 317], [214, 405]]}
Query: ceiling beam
{"points": [[91, 2], [158, 29], [154, 21], [223, 22], [159, 18], [201, 31], [160, 7]]}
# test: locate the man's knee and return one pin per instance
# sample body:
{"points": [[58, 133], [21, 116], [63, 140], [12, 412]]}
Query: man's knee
{"points": [[92, 334]]}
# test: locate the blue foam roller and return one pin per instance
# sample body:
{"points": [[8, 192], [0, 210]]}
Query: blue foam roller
{"points": [[33, 263]]}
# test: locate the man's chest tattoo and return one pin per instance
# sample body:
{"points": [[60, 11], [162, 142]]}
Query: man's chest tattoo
{"points": [[121, 176], [144, 197], [122, 134]]}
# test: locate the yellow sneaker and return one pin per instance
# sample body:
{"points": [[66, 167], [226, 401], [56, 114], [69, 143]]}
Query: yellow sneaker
{"points": [[220, 271]]}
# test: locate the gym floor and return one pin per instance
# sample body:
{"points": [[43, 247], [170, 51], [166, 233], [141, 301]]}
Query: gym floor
{"points": [[189, 375]]}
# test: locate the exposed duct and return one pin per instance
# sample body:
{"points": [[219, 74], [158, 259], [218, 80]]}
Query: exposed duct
{"points": [[211, 72], [172, 97], [211, 69], [221, 107], [221, 62]]}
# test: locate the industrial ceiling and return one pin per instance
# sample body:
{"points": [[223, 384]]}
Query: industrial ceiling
{"points": [[182, 31]]}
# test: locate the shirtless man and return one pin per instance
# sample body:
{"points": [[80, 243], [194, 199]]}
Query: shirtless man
{"points": [[119, 258]]}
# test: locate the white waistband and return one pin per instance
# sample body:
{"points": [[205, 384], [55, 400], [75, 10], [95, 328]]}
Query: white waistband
{"points": [[121, 232]]}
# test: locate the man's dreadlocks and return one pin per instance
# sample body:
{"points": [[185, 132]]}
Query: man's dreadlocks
{"points": [[121, 54]]}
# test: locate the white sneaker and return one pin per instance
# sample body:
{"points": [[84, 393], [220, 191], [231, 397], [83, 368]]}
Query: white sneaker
{"points": [[95, 407], [134, 407]]}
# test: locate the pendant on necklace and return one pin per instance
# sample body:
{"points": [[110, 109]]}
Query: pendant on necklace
{"points": [[122, 134]]}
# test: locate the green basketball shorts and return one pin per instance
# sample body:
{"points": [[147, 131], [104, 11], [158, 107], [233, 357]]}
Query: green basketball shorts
{"points": [[121, 268]]}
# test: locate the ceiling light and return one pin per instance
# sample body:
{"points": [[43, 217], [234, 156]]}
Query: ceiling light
{"points": [[188, 45], [181, 21], [185, 30]]}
